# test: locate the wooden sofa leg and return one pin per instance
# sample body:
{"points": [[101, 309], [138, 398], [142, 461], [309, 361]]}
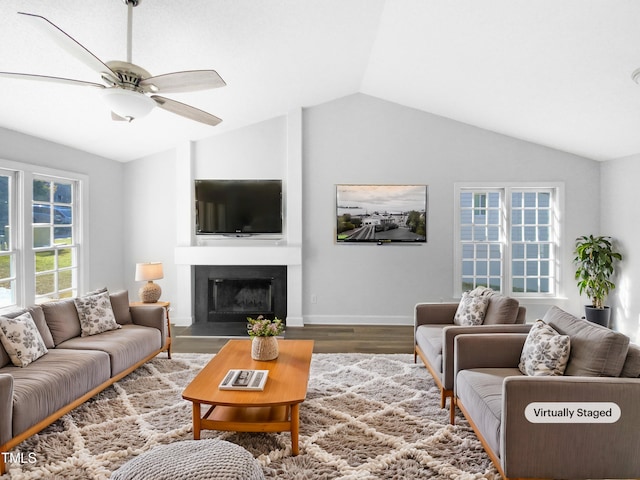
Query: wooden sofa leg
{"points": [[3, 467], [452, 411]]}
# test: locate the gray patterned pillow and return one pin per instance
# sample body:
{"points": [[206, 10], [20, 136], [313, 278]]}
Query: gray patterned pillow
{"points": [[21, 339], [471, 309], [95, 313], [545, 351]]}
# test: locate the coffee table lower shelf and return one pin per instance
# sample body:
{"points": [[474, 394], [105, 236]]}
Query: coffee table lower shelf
{"points": [[278, 418]]}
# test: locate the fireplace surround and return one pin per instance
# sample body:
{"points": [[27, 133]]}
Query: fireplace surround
{"points": [[231, 293]]}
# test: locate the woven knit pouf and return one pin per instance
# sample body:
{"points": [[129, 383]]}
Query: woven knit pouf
{"points": [[192, 460]]}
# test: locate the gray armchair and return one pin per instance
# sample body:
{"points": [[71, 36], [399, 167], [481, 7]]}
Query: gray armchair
{"points": [[435, 331], [493, 395]]}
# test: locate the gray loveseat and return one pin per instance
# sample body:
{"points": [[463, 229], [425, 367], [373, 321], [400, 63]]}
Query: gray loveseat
{"points": [[435, 331], [75, 367], [526, 424]]}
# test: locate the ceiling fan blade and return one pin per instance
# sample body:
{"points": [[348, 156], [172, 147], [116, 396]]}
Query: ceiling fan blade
{"points": [[188, 81], [186, 111], [45, 78], [67, 43], [117, 118]]}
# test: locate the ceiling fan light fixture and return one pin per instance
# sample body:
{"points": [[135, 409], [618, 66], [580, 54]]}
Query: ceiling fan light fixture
{"points": [[128, 104]]}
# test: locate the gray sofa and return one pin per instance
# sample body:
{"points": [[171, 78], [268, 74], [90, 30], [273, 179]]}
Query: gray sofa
{"points": [[496, 398], [434, 334], [75, 367]]}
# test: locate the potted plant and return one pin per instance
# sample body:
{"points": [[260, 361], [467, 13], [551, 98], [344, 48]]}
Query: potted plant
{"points": [[594, 259], [263, 331]]}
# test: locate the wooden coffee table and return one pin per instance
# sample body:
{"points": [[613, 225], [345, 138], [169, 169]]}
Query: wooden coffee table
{"points": [[275, 409]]}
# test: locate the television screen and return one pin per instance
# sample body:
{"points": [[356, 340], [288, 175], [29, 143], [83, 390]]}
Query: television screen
{"points": [[381, 213], [238, 207]]}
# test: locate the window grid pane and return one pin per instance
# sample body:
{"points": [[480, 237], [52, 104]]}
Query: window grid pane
{"points": [[480, 227], [532, 242]]}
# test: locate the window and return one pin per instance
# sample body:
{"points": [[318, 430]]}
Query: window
{"points": [[507, 239], [41, 253], [54, 245], [8, 253]]}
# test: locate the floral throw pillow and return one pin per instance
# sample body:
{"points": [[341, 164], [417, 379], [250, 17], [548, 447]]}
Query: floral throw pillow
{"points": [[95, 313], [21, 339], [471, 309], [545, 351]]}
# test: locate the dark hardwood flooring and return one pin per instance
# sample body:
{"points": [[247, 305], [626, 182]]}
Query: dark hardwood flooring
{"points": [[328, 338]]}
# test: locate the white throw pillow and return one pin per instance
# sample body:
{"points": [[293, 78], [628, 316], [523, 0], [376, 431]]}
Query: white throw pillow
{"points": [[95, 313], [471, 309], [545, 351], [21, 339]]}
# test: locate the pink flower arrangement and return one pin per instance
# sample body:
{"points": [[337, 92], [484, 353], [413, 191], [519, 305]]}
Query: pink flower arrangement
{"points": [[263, 327]]}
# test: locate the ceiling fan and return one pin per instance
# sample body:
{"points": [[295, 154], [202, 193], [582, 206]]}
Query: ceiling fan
{"points": [[128, 89]]}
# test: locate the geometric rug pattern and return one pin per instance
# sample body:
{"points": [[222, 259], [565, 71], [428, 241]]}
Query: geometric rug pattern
{"points": [[366, 416]]}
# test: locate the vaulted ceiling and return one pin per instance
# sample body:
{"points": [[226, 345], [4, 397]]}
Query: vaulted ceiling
{"points": [[553, 72]]}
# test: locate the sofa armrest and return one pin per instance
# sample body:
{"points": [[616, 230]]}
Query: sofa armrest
{"points": [[6, 408], [449, 335], [499, 350], [570, 450], [434, 313], [150, 316]]}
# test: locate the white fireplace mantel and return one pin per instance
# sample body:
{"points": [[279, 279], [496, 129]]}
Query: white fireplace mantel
{"points": [[239, 255]]}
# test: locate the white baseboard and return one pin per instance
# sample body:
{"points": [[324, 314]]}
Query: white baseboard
{"points": [[181, 321]]}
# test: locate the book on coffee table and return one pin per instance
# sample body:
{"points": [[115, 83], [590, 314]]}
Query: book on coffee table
{"points": [[248, 380]]}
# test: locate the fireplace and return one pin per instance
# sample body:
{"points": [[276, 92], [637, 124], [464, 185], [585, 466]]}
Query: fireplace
{"points": [[231, 293]]}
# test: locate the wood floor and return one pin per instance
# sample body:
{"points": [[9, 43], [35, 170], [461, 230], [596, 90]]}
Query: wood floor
{"points": [[328, 339]]}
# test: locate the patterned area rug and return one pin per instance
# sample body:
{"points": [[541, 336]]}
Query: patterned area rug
{"points": [[365, 417]]}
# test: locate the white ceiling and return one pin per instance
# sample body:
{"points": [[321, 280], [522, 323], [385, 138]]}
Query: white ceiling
{"points": [[554, 72]]}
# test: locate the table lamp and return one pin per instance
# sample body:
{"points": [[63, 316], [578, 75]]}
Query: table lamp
{"points": [[150, 292]]}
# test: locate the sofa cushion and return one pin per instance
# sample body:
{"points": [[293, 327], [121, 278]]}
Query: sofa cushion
{"points": [[120, 306], [631, 367], [480, 392], [53, 381], [545, 351], [596, 351], [471, 309], [501, 310], [125, 346], [21, 339], [429, 339], [62, 320], [95, 314]]}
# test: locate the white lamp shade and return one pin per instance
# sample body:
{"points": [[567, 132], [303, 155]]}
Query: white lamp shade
{"points": [[148, 271], [127, 103]]}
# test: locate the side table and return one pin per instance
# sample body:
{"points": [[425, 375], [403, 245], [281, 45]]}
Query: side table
{"points": [[166, 306]]}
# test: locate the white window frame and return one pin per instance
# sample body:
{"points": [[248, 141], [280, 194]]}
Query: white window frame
{"points": [[506, 189], [22, 212]]}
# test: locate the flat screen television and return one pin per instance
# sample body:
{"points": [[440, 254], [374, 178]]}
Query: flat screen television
{"points": [[238, 207], [381, 213]]}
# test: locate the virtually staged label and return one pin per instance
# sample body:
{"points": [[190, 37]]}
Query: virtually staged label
{"points": [[572, 412]]}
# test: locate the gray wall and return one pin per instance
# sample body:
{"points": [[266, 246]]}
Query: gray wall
{"points": [[620, 219], [361, 139], [105, 198]]}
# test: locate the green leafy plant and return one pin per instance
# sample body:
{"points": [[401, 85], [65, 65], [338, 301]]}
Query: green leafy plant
{"points": [[595, 259], [263, 327]]}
